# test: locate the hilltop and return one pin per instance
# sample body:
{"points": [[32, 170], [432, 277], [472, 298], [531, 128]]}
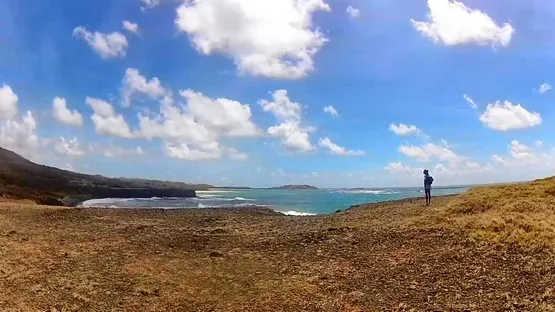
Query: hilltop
{"points": [[23, 179], [489, 249]]}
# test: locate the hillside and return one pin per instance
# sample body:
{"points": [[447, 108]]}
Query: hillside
{"points": [[21, 178]]}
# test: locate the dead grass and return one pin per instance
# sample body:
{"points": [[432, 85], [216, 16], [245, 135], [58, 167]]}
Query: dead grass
{"points": [[520, 215]]}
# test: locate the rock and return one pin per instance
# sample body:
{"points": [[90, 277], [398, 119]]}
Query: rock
{"points": [[216, 254], [412, 287], [12, 232]]}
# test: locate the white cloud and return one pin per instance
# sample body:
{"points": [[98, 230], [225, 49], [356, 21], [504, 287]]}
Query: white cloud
{"points": [[545, 87], [538, 143], [133, 82], [521, 152], [193, 131], [522, 156], [292, 134], [8, 102], [106, 121], [398, 167], [149, 4], [338, 150], [71, 147], [452, 23], [271, 38], [470, 101], [353, 12], [504, 117], [331, 110], [110, 45], [65, 116], [114, 151], [20, 135], [221, 115], [130, 26], [282, 107], [405, 130], [429, 152]]}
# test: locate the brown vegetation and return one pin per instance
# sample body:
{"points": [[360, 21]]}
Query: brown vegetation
{"points": [[490, 249]]}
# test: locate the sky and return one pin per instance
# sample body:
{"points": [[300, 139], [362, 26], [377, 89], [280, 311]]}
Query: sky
{"points": [[333, 93]]}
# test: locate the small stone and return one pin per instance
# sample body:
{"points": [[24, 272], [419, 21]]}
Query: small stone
{"points": [[12, 232], [413, 287]]}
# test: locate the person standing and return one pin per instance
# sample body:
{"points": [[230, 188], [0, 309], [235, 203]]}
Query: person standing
{"points": [[428, 180]]}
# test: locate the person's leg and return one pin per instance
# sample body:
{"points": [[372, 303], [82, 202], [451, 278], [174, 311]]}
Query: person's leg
{"points": [[427, 191], [429, 196]]}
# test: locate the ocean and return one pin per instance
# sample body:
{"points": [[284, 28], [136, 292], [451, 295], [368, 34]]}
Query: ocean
{"points": [[290, 202]]}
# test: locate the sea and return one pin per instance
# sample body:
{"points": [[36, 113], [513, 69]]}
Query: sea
{"points": [[289, 202]]}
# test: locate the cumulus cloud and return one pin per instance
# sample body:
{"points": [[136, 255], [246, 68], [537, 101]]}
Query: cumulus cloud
{"points": [[331, 110], [291, 132], [107, 46], [405, 130], [271, 38], [429, 152], [64, 115], [544, 88], [338, 150], [130, 26], [134, 83], [8, 102], [522, 156], [69, 147], [452, 23], [106, 120], [149, 4], [398, 167], [112, 151], [20, 135], [193, 131], [508, 116], [353, 12], [293, 136], [470, 101]]}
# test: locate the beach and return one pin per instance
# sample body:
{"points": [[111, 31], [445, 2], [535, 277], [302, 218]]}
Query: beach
{"points": [[489, 249]]}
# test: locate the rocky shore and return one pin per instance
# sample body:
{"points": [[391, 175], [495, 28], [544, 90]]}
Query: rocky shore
{"points": [[490, 249]]}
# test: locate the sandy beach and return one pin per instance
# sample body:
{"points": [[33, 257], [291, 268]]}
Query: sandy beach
{"points": [[490, 249]]}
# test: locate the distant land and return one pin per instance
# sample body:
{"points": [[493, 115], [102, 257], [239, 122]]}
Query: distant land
{"points": [[294, 187], [23, 179]]}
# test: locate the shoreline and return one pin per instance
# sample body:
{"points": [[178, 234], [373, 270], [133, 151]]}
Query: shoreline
{"points": [[254, 207]]}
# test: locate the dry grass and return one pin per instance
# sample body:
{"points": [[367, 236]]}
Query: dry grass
{"points": [[396, 256], [520, 215]]}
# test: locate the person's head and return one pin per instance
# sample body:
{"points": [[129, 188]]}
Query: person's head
{"points": [[426, 172]]}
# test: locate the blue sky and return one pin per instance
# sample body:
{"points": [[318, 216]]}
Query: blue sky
{"points": [[236, 92]]}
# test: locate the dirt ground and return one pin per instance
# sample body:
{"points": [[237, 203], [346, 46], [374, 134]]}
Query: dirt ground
{"points": [[397, 256]]}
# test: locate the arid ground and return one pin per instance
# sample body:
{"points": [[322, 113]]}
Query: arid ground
{"points": [[490, 249]]}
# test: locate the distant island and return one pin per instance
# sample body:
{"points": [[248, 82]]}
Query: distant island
{"points": [[294, 187]]}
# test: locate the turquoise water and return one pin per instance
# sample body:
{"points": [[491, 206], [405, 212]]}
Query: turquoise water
{"points": [[292, 202]]}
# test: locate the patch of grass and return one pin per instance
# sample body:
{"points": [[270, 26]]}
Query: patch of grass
{"points": [[519, 214]]}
